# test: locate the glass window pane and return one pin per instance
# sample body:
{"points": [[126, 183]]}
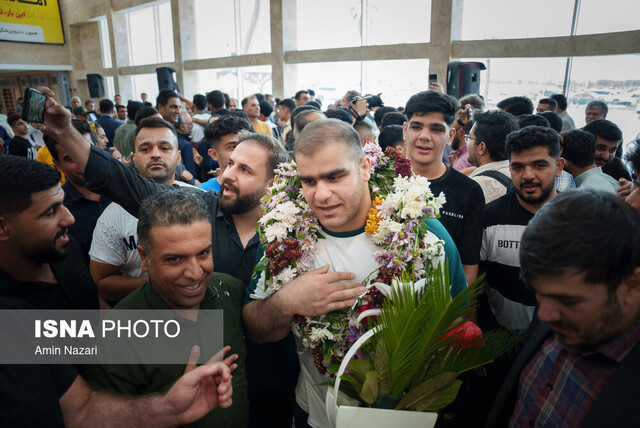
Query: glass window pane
{"points": [[242, 27], [507, 19], [531, 77], [142, 37], [104, 42], [396, 79], [615, 15], [612, 79], [166, 33], [147, 83], [237, 82], [328, 24], [109, 87], [330, 80], [399, 21]]}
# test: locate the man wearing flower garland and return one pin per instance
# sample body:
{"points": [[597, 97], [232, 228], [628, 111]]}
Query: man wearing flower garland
{"points": [[334, 174], [429, 130]]}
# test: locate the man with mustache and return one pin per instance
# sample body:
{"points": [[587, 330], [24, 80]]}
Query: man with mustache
{"points": [[115, 262], [234, 215], [534, 163], [579, 365]]}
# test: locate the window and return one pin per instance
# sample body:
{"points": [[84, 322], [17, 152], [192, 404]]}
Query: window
{"points": [[237, 82], [147, 83], [615, 15], [150, 35], [612, 79], [396, 79], [506, 19], [104, 43], [343, 23], [228, 28], [109, 87], [532, 77]]}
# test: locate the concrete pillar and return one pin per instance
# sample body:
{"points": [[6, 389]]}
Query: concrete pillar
{"points": [[277, 47], [441, 31]]}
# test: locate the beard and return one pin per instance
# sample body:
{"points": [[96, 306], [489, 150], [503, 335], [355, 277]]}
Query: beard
{"points": [[50, 254], [241, 204], [531, 199]]}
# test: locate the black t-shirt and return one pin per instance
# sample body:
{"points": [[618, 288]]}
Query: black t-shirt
{"points": [[461, 215], [19, 146], [29, 393]]}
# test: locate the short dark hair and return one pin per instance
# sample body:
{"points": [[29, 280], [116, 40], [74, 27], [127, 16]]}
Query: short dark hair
{"points": [[132, 109], [20, 178], [492, 128], [200, 101], [155, 122], [89, 101], [598, 104], [393, 118], [474, 100], [145, 112], [106, 105], [390, 136], [260, 97], [302, 119], [13, 118], [319, 133], [311, 92], [533, 136], [315, 103], [276, 154], [516, 105], [604, 129], [339, 113], [351, 95], [554, 119], [364, 127], [246, 99], [288, 103], [566, 236], [633, 157], [119, 106], [553, 103], [579, 147], [216, 99], [432, 101], [300, 92], [266, 108], [164, 96], [525, 120], [170, 207], [561, 100], [225, 125], [379, 114], [296, 111]]}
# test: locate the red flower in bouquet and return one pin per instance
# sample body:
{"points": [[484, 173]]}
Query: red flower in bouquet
{"points": [[466, 335]]}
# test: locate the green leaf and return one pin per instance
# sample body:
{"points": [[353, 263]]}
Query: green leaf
{"points": [[427, 390], [370, 390], [387, 401], [359, 369], [382, 368], [445, 398]]}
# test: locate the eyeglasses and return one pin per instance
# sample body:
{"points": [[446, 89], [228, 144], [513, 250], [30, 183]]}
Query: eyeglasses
{"points": [[468, 138]]}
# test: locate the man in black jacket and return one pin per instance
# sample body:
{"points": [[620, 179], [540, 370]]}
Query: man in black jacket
{"points": [[581, 363]]}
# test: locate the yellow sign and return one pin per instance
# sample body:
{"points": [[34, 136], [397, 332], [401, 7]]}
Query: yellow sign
{"points": [[31, 21]]}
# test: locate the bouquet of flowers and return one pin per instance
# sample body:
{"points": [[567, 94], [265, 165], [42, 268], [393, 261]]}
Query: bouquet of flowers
{"points": [[396, 222], [420, 345]]}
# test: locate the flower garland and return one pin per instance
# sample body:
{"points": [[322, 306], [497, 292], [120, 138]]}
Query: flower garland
{"points": [[289, 231]]}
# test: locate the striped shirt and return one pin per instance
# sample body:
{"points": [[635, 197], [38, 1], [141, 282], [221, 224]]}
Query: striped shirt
{"points": [[560, 385]]}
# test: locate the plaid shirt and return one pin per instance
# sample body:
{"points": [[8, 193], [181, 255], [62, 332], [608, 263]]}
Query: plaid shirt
{"points": [[563, 183], [559, 385]]}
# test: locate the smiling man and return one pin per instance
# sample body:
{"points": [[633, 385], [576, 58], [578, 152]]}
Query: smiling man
{"points": [[579, 366], [174, 233], [168, 105], [608, 137], [429, 130], [534, 162]]}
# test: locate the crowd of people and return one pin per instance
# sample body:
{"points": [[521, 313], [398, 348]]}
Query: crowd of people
{"points": [[143, 206]]}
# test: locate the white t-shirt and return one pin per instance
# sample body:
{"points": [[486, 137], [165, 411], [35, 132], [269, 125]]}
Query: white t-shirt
{"points": [[115, 240], [344, 252], [197, 132]]}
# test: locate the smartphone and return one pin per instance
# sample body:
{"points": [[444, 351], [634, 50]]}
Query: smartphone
{"points": [[433, 77], [33, 106], [93, 117]]}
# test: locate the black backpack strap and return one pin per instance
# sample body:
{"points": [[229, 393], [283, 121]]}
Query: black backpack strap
{"points": [[500, 177]]}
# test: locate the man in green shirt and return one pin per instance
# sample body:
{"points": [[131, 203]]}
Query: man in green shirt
{"points": [[125, 136], [174, 236]]}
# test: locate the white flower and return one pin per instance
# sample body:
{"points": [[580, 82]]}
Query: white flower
{"points": [[275, 232], [287, 275], [386, 226], [412, 210], [319, 334]]}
